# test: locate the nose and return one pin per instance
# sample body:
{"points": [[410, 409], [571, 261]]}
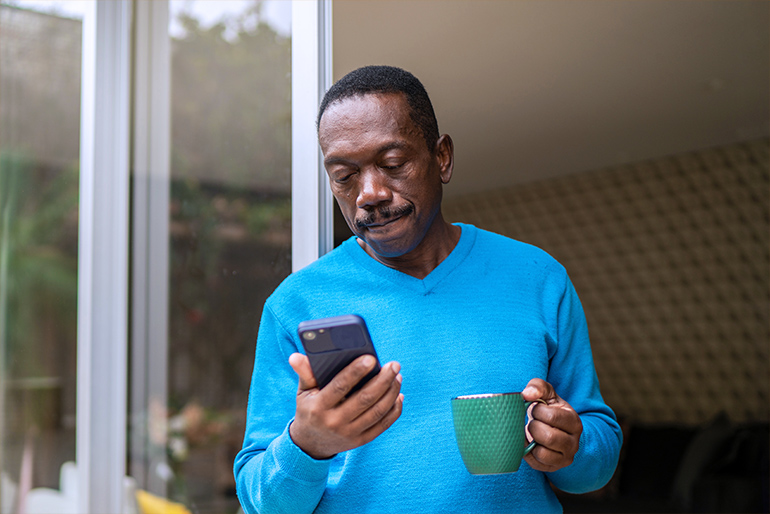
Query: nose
{"points": [[374, 189]]}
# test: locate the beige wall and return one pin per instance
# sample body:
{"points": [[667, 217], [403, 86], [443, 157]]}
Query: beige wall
{"points": [[671, 260]]}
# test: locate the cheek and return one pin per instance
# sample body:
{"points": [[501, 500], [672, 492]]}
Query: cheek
{"points": [[345, 202]]}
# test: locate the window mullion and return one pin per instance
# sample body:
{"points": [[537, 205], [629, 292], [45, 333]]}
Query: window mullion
{"points": [[311, 75], [103, 257]]}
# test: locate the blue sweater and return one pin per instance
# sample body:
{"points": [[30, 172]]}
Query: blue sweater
{"points": [[494, 314]]}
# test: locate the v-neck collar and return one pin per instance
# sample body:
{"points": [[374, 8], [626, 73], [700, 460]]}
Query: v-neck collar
{"points": [[401, 279]]}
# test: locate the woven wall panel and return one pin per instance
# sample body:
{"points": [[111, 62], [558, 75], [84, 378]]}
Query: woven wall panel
{"points": [[671, 259]]}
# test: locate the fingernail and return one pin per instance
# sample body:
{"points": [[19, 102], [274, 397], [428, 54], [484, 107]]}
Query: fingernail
{"points": [[529, 391], [368, 361], [399, 378], [396, 367]]}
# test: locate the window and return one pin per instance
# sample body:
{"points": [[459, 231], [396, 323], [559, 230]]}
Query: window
{"points": [[40, 63], [211, 235]]}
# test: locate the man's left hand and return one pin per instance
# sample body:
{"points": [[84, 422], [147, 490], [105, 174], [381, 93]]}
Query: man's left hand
{"points": [[555, 427]]}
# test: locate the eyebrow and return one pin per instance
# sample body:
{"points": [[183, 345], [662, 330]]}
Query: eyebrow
{"points": [[393, 145]]}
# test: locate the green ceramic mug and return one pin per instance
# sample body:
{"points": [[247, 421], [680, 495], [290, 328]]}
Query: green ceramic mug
{"points": [[491, 431]]}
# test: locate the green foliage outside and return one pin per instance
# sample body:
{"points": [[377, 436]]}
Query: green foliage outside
{"points": [[38, 268]]}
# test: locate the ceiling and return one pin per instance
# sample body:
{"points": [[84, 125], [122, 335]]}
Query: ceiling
{"points": [[533, 89]]}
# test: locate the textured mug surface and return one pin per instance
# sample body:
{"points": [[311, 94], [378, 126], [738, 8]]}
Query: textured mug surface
{"points": [[490, 431]]}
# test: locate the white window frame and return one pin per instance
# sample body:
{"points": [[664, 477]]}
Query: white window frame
{"points": [[103, 257], [311, 76]]}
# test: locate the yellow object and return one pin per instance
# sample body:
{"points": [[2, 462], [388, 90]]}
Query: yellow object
{"points": [[152, 504]]}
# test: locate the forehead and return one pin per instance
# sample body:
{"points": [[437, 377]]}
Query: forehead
{"points": [[367, 117]]}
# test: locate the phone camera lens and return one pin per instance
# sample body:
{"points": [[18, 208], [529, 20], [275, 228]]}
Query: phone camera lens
{"points": [[309, 335]]}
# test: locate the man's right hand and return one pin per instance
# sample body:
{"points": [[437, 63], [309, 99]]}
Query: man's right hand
{"points": [[327, 423]]}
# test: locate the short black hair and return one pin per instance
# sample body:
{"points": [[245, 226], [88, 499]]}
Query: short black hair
{"points": [[387, 79]]}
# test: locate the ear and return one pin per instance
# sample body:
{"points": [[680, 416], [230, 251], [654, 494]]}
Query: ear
{"points": [[445, 155]]}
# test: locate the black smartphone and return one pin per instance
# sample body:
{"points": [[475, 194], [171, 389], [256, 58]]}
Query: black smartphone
{"points": [[333, 343]]}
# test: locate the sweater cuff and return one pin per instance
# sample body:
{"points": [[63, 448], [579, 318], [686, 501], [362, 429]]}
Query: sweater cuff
{"points": [[297, 464], [595, 461]]}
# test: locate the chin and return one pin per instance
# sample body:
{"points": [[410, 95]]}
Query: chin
{"points": [[389, 253], [397, 240], [387, 248]]}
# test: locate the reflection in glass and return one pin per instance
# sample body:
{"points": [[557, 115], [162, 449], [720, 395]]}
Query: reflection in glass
{"points": [[40, 62], [229, 232]]}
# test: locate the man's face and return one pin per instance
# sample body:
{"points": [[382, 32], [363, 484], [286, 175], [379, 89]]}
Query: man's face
{"points": [[386, 181]]}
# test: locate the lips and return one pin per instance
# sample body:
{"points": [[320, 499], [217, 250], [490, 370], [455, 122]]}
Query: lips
{"points": [[383, 223], [383, 217]]}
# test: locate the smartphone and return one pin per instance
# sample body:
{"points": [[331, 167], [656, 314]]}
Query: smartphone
{"points": [[333, 343]]}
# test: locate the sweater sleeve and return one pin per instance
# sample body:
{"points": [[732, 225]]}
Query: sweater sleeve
{"points": [[573, 376], [272, 474]]}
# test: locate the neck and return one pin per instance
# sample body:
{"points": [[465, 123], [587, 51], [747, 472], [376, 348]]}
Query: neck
{"points": [[436, 246]]}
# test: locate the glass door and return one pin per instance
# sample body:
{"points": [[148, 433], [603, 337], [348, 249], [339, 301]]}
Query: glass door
{"points": [[211, 235], [40, 89]]}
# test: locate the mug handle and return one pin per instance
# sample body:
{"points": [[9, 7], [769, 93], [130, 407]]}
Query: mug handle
{"points": [[528, 406]]}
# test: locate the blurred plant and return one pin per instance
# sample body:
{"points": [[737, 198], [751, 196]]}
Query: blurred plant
{"points": [[195, 426], [38, 250], [261, 217], [38, 286]]}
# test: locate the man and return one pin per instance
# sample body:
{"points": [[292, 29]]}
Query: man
{"points": [[458, 309]]}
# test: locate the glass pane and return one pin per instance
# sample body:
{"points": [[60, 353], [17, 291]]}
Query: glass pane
{"points": [[40, 61], [229, 234]]}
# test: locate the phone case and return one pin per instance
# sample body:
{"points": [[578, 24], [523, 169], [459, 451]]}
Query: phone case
{"points": [[333, 343]]}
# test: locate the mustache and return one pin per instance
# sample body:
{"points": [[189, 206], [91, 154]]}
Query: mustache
{"points": [[382, 214]]}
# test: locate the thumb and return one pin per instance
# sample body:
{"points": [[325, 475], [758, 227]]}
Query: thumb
{"points": [[301, 366], [538, 388]]}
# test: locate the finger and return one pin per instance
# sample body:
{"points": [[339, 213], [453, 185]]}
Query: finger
{"points": [[551, 438], [301, 366], [378, 410], [537, 388], [555, 449], [340, 386], [544, 460], [561, 416], [386, 421], [373, 392]]}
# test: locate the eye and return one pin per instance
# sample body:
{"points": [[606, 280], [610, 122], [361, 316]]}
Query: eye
{"points": [[391, 166], [342, 177]]}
